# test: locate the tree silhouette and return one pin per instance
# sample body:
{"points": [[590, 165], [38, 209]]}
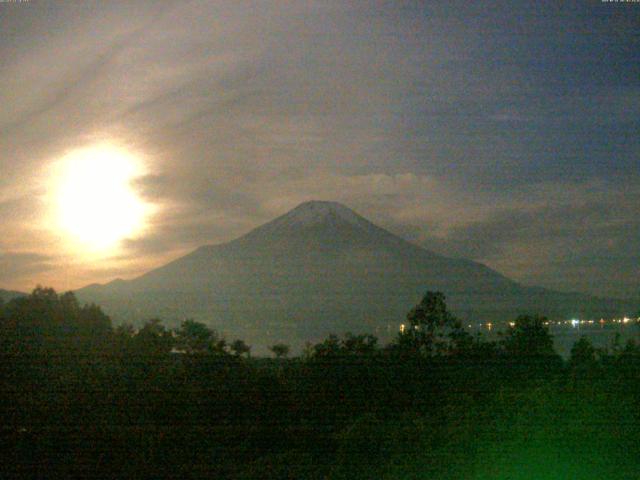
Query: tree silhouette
{"points": [[219, 347], [529, 336], [431, 328], [359, 344], [330, 347], [239, 348], [360, 411], [153, 338], [280, 350], [195, 337], [528, 349], [583, 363], [125, 330], [45, 320], [583, 354]]}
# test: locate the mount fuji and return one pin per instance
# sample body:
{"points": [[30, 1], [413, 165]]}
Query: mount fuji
{"points": [[321, 268]]}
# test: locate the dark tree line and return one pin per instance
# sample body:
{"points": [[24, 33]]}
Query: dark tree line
{"points": [[80, 398]]}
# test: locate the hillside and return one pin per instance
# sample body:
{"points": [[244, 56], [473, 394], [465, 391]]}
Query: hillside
{"points": [[6, 295]]}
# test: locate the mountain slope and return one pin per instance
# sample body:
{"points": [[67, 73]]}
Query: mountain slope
{"points": [[6, 295], [322, 268]]}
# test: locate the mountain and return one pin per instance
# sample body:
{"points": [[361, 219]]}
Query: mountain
{"points": [[322, 268], [6, 295]]}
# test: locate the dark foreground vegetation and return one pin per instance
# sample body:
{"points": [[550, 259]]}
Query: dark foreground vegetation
{"points": [[83, 399]]}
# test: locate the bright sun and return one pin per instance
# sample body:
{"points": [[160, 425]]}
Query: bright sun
{"points": [[96, 204]]}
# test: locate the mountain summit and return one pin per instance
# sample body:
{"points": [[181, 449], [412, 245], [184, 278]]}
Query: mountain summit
{"points": [[317, 212], [321, 268], [318, 227]]}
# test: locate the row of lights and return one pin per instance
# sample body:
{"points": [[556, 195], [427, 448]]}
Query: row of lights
{"points": [[574, 323]]}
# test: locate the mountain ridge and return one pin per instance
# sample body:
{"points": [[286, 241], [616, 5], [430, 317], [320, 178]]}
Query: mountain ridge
{"points": [[322, 268], [6, 295]]}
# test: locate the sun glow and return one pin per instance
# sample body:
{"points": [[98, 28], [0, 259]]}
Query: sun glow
{"points": [[96, 204]]}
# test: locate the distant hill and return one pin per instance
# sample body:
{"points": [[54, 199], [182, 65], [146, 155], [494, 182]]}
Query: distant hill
{"points": [[7, 295], [322, 268]]}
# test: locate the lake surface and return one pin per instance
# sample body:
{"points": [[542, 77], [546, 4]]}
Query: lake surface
{"points": [[565, 335]]}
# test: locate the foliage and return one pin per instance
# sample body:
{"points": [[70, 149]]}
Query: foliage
{"points": [[431, 329], [195, 337], [583, 354], [280, 350], [529, 336], [154, 339], [81, 398], [239, 348]]}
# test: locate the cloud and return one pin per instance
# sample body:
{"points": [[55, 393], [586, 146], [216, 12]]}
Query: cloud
{"points": [[19, 264], [483, 130], [583, 238]]}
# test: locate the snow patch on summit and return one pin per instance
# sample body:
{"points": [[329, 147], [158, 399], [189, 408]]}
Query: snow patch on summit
{"points": [[315, 212], [323, 214], [331, 221]]}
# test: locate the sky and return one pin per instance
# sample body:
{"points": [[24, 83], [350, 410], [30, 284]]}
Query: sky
{"points": [[504, 132]]}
